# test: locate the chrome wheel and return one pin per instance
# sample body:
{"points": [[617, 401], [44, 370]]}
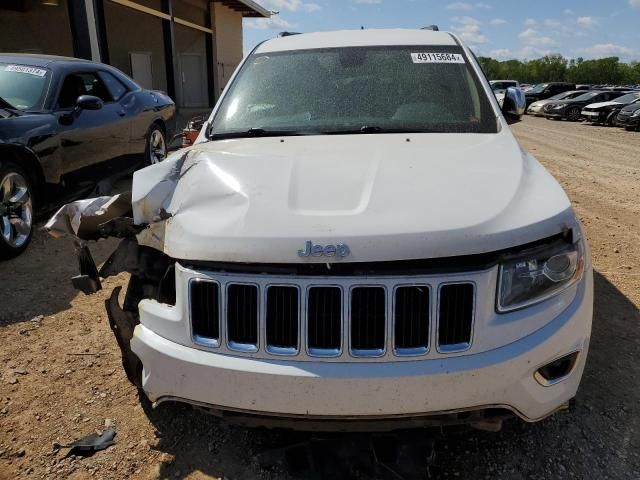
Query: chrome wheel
{"points": [[157, 147], [16, 210]]}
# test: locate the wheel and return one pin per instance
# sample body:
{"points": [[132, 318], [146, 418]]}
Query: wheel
{"points": [[16, 210], [573, 115], [156, 149], [611, 120]]}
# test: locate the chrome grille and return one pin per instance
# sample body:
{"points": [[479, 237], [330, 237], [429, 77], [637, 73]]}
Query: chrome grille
{"points": [[205, 312], [334, 318], [242, 317], [411, 325], [324, 321], [368, 321], [455, 316], [282, 313]]}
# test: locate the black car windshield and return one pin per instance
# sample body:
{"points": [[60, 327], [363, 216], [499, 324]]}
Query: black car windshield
{"points": [[587, 96], [628, 98], [22, 86], [355, 90], [538, 88], [566, 95]]}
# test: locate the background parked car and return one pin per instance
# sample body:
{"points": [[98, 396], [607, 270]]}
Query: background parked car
{"points": [[572, 109], [606, 112], [543, 91], [500, 86], [537, 108], [65, 121], [629, 117]]}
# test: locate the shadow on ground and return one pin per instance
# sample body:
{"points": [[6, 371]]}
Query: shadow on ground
{"points": [[599, 437]]}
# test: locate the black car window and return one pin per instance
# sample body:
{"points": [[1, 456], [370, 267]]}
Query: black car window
{"points": [[115, 86], [77, 84]]}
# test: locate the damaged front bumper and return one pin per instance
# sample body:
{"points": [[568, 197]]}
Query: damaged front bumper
{"points": [[294, 391]]}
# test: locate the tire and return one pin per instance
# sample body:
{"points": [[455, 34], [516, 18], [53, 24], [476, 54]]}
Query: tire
{"points": [[16, 210], [573, 114], [156, 145]]}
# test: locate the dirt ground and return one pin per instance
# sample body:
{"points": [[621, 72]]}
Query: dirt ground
{"points": [[61, 377]]}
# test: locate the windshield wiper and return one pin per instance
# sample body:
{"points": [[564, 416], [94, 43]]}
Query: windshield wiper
{"points": [[375, 129], [7, 106], [257, 132]]}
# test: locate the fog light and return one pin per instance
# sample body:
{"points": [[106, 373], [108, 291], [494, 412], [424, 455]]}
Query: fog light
{"points": [[556, 371]]}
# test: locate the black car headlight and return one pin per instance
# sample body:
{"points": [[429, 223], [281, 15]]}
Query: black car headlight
{"points": [[534, 277]]}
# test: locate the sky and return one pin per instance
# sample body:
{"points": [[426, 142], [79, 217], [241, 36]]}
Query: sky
{"points": [[503, 29]]}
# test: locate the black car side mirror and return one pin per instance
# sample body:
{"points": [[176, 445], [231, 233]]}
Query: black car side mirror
{"points": [[88, 102], [514, 105]]}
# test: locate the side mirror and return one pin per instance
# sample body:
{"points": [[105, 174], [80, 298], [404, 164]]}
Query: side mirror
{"points": [[88, 102], [513, 105]]}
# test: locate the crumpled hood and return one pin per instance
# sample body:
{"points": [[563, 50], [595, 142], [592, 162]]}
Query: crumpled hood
{"points": [[388, 197]]}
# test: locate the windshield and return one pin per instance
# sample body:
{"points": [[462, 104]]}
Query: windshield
{"points": [[565, 95], [628, 98], [502, 85], [360, 89], [538, 88], [22, 86], [587, 96]]}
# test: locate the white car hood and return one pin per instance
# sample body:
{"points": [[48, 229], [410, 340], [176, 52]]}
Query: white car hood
{"points": [[602, 104], [388, 197]]}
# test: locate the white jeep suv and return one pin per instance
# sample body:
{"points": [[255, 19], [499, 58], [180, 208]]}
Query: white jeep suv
{"points": [[358, 238]]}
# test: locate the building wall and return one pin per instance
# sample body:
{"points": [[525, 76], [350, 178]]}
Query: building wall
{"points": [[39, 29], [132, 31], [227, 31]]}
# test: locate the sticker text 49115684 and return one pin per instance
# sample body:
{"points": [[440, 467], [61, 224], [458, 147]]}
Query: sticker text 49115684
{"points": [[435, 57]]}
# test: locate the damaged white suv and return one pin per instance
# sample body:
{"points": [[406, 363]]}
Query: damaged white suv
{"points": [[356, 238]]}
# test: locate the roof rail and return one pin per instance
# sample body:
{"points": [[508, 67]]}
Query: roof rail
{"points": [[431, 27], [287, 34]]}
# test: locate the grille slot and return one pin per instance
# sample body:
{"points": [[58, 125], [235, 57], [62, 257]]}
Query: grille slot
{"points": [[282, 320], [368, 321], [205, 312], [455, 316], [242, 317], [324, 321], [411, 328]]}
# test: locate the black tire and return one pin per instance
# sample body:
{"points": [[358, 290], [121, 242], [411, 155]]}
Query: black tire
{"points": [[16, 210], [629, 129], [573, 114], [155, 152]]}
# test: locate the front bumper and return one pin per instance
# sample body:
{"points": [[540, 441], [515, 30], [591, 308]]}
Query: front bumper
{"points": [[554, 114], [594, 117], [316, 390], [628, 121], [538, 111]]}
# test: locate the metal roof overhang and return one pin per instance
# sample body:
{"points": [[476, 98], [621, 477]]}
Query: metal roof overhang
{"points": [[248, 8]]}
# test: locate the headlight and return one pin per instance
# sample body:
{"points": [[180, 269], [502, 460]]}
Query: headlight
{"points": [[530, 279], [558, 107], [636, 113]]}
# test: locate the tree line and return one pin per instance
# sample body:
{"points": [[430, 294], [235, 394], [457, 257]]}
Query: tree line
{"points": [[556, 68]]}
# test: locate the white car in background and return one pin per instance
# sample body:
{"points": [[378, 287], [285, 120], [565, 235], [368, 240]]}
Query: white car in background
{"points": [[500, 86], [356, 240]]}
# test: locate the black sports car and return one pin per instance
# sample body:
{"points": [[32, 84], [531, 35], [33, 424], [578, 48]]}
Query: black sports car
{"points": [[606, 112], [629, 117], [65, 121], [572, 109]]}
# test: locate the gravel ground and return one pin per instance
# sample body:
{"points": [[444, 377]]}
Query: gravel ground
{"points": [[61, 376]]}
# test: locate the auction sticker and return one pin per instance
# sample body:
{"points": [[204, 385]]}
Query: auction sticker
{"points": [[39, 72], [435, 57]]}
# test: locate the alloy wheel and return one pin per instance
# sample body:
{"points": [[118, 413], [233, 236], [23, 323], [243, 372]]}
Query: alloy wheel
{"points": [[16, 210]]}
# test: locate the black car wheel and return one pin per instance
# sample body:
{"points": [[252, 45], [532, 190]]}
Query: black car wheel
{"points": [[573, 114], [156, 149], [16, 210]]}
